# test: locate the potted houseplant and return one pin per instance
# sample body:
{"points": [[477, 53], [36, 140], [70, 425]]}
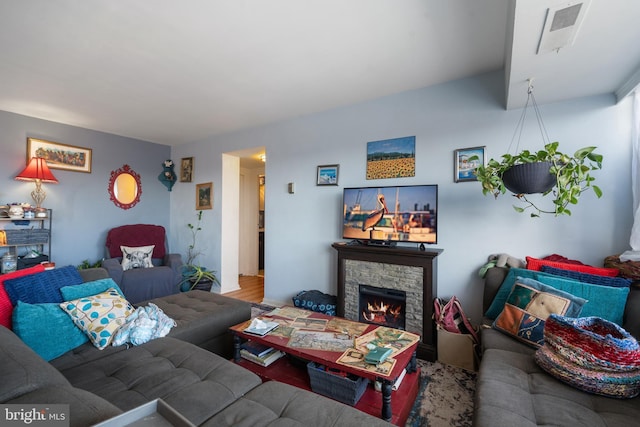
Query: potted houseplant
{"points": [[566, 177], [196, 276]]}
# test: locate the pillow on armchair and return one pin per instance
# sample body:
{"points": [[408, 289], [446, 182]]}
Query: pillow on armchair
{"points": [[141, 284]]}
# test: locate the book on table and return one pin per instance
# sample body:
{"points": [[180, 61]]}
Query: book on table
{"points": [[265, 360], [260, 327], [256, 348]]}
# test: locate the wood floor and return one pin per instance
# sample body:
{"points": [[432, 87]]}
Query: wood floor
{"points": [[251, 289]]}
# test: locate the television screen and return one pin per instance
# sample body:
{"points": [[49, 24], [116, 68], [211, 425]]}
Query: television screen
{"points": [[391, 214]]}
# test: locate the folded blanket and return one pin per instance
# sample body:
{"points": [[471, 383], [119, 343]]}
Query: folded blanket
{"points": [[144, 324]]}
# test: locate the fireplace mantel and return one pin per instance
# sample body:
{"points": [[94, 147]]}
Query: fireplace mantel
{"points": [[398, 255]]}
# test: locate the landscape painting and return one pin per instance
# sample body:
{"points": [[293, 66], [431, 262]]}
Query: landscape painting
{"points": [[391, 158]]}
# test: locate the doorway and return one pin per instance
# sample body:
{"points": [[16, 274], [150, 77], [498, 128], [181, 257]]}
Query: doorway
{"points": [[247, 264]]}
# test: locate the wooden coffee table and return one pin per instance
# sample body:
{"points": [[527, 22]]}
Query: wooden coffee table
{"points": [[288, 371]]}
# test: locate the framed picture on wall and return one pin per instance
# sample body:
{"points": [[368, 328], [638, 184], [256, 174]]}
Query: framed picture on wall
{"points": [[204, 196], [327, 175], [463, 164], [186, 169], [60, 156]]}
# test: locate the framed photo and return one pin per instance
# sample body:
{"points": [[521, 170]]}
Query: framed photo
{"points": [[204, 196], [465, 161], [327, 175], [186, 169], [391, 158], [60, 156]]}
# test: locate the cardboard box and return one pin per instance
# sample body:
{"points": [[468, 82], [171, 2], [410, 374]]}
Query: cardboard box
{"points": [[457, 350]]}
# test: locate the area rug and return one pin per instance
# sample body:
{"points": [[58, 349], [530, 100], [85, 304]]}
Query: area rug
{"points": [[445, 397]]}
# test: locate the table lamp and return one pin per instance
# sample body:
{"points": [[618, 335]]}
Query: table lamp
{"points": [[37, 171]]}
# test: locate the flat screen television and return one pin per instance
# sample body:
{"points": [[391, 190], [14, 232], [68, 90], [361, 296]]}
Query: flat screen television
{"points": [[392, 214]]}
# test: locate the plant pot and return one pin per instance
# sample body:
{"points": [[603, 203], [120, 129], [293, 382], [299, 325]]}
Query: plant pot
{"points": [[529, 178], [204, 285]]}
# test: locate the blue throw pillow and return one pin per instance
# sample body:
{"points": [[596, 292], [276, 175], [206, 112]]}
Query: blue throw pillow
{"points": [[42, 287], [618, 282], [88, 289], [47, 329]]}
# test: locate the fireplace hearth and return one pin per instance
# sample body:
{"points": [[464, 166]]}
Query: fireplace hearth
{"points": [[382, 306]]}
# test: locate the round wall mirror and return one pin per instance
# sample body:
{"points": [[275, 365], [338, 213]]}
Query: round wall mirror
{"points": [[125, 187]]}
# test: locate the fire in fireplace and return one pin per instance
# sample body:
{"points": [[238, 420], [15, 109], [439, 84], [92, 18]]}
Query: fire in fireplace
{"points": [[381, 306]]}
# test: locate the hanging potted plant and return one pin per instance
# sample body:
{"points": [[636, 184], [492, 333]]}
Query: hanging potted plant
{"points": [[546, 171], [195, 276]]}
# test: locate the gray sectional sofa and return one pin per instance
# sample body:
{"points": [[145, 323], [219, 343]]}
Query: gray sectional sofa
{"points": [[512, 390], [181, 369]]}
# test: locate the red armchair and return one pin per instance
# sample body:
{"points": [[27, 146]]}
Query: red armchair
{"points": [[141, 284]]}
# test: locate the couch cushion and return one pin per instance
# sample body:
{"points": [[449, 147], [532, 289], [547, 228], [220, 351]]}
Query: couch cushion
{"points": [[99, 316], [203, 318], [512, 390], [277, 404], [6, 306], [529, 305], [47, 329], [594, 279], [42, 287], [195, 382]]}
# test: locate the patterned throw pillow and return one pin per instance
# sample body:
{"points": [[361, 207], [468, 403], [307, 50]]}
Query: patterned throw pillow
{"points": [[99, 316], [138, 257], [529, 305]]}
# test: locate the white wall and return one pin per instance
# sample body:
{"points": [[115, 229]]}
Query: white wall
{"points": [[300, 227]]}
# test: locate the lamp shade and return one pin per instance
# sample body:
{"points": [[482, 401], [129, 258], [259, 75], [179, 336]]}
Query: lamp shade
{"points": [[37, 169]]}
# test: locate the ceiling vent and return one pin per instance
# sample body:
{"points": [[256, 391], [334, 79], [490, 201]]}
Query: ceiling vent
{"points": [[561, 26]]}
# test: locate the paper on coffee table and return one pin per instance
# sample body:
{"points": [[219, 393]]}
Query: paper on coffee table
{"points": [[308, 323], [316, 340], [289, 312], [382, 336], [355, 359]]}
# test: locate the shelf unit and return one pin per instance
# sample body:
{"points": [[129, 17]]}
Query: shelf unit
{"points": [[23, 236]]}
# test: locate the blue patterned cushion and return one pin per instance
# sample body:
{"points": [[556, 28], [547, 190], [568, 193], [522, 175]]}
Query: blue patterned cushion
{"points": [[42, 287], [616, 282], [35, 323], [529, 305], [89, 288], [99, 316]]}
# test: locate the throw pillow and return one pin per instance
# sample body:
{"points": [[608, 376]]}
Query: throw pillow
{"points": [[529, 304], [617, 282], [536, 264], [42, 287], [89, 288], [47, 329], [6, 306], [138, 257], [603, 301], [99, 316]]}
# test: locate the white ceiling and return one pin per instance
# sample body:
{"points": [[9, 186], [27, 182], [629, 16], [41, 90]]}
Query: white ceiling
{"points": [[172, 71]]}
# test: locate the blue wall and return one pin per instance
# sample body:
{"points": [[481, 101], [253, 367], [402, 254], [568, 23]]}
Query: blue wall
{"points": [[82, 211], [300, 227]]}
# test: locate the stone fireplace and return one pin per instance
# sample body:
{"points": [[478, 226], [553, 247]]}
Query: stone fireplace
{"points": [[401, 270]]}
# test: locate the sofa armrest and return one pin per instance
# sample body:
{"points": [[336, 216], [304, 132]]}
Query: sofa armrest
{"points": [[174, 261], [114, 268], [492, 282]]}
